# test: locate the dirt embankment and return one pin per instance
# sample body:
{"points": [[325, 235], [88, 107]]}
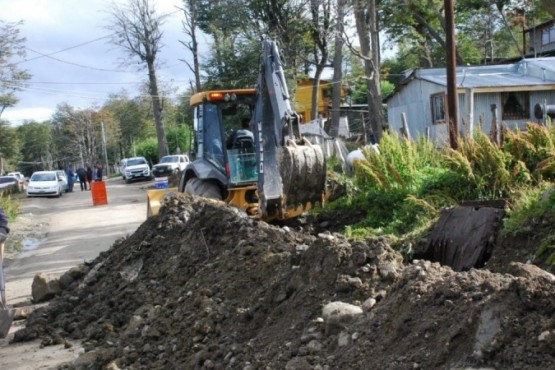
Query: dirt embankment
{"points": [[203, 287]]}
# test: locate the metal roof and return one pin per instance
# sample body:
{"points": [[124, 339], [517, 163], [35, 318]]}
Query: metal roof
{"points": [[538, 71]]}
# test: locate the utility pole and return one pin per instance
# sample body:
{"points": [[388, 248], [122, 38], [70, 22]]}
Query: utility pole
{"points": [[105, 150], [452, 96]]}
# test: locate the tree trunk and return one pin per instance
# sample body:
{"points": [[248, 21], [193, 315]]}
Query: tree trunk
{"points": [[190, 29], [337, 70], [365, 19], [157, 111]]}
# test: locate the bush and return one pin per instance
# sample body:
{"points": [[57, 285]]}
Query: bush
{"points": [[402, 189], [10, 206], [148, 148]]}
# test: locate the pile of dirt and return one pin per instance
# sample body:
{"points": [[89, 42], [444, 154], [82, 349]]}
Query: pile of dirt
{"points": [[202, 286]]}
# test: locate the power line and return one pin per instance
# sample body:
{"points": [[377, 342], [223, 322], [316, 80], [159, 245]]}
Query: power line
{"points": [[76, 64], [61, 51]]}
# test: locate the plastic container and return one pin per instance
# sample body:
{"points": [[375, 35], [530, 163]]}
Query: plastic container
{"points": [[161, 182], [98, 191]]}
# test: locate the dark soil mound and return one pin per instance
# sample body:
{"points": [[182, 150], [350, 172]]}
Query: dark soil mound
{"points": [[201, 286]]}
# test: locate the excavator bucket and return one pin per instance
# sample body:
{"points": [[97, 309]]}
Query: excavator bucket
{"points": [[303, 173], [154, 200]]}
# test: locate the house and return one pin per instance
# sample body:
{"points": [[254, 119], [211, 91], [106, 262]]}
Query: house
{"points": [[508, 92], [302, 102], [540, 39]]}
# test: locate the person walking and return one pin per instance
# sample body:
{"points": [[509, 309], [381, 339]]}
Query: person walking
{"points": [[89, 176], [82, 175]]}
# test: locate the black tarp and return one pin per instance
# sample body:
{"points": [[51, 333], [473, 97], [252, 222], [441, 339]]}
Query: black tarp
{"points": [[464, 236]]}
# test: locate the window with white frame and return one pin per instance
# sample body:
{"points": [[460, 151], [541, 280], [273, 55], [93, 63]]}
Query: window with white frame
{"points": [[515, 105], [438, 108]]}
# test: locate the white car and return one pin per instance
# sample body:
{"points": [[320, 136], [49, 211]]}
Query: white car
{"points": [[170, 164], [62, 175], [17, 175], [20, 178], [45, 183], [136, 168]]}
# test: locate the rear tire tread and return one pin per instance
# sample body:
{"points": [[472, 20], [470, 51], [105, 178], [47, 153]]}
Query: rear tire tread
{"points": [[203, 188]]}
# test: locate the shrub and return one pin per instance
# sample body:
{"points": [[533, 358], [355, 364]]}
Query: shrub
{"points": [[10, 206]]}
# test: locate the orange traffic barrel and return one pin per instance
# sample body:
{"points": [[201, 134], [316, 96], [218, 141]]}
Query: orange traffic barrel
{"points": [[98, 190]]}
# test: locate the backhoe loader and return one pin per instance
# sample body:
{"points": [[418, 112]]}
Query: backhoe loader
{"points": [[273, 173]]}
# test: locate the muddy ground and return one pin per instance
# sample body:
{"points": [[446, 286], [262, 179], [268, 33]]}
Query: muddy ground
{"points": [[201, 286]]}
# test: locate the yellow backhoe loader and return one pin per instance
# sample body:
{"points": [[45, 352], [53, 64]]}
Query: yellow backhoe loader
{"points": [[269, 170]]}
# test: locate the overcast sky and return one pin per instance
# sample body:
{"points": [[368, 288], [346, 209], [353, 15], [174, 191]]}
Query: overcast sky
{"points": [[82, 68]]}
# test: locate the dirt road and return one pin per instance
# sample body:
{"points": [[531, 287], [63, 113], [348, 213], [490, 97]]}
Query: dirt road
{"points": [[72, 230]]}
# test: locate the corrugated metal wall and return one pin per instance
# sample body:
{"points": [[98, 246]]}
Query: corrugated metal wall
{"points": [[414, 101]]}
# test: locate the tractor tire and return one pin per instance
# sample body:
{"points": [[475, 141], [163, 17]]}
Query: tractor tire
{"points": [[203, 188]]}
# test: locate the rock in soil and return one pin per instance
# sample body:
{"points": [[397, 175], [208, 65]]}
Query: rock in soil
{"points": [[201, 286]]}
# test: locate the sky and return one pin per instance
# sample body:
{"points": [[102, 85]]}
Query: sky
{"points": [[72, 61]]}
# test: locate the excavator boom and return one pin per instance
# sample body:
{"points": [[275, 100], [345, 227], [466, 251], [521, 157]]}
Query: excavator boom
{"points": [[292, 172]]}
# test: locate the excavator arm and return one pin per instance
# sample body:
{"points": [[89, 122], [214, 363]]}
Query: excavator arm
{"points": [[292, 171]]}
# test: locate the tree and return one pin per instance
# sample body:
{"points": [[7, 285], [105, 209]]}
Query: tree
{"points": [[36, 146], [137, 31], [76, 136], [8, 144], [321, 29], [549, 7], [337, 68], [189, 23], [367, 30], [12, 77], [131, 116], [285, 21]]}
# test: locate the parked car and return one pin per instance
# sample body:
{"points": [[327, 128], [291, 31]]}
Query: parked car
{"points": [[45, 183], [20, 178], [63, 176], [9, 181], [136, 168], [170, 164], [17, 175]]}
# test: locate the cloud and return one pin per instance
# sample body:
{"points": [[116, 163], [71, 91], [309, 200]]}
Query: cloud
{"points": [[81, 67]]}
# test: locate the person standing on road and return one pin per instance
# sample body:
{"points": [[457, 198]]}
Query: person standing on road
{"points": [[89, 176], [70, 177], [4, 231], [82, 175], [97, 172]]}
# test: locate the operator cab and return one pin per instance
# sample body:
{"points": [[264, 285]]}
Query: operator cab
{"points": [[222, 136]]}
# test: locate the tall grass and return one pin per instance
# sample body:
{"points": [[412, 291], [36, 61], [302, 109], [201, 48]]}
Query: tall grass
{"points": [[535, 148], [482, 166], [392, 184], [403, 188]]}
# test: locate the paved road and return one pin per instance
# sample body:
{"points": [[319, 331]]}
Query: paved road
{"points": [[77, 231]]}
